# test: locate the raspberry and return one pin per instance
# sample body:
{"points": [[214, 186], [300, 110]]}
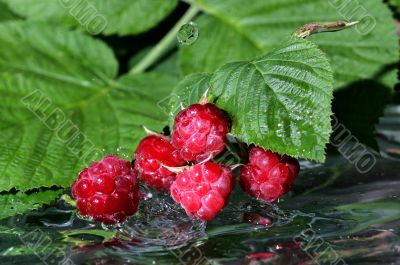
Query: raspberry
{"points": [[199, 131], [150, 154], [107, 191], [203, 190], [268, 175]]}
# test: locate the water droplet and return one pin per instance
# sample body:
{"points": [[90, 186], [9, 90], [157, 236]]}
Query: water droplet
{"points": [[123, 153], [188, 34], [110, 227], [85, 83], [295, 135], [280, 132], [84, 217]]}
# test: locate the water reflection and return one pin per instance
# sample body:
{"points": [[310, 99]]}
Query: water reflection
{"points": [[334, 214]]}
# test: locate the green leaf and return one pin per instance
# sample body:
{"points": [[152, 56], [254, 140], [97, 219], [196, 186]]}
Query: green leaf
{"points": [[12, 204], [230, 31], [5, 13], [395, 3], [217, 44], [95, 16], [187, 92], [62, 106], [280, 101], [74, 236], [167, 65]]}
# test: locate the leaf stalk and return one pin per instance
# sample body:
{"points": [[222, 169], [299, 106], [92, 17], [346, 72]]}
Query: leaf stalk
{"points": [[166, 44]]}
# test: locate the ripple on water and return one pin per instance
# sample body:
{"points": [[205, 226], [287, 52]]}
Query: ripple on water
{"points": [[160, 224]]}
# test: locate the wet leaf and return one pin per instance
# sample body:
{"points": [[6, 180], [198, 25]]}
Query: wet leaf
{"points": [[280, 101], [18, 203], [230, 32], [62, 106], [97, 16]]}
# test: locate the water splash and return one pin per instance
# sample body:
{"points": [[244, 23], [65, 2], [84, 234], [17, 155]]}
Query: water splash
{"points": [[160, 223], [360, 220]]}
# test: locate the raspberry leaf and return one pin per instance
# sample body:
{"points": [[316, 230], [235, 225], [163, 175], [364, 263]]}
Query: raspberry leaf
{"points": [[237, 33], [187, 92], [395, 3], [18, 203], [63, 107], [280, 101], [6, 13], [95, 16]]}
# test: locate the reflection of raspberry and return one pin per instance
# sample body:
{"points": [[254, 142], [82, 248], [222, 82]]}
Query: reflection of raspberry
{"points": [[203, 190], [107, 191], [199, 131], [268, 175], [257, 219], [259, 257], [153, 152]]}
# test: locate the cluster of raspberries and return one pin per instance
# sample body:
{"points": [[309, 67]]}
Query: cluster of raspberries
{"points": [[107, 191]]}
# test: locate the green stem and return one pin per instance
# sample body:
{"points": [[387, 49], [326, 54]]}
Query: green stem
{"points": [[68, 200], [165, 45]]}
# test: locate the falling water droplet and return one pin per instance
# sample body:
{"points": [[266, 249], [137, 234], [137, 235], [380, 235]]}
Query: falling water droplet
{"points": [[188, 34]]}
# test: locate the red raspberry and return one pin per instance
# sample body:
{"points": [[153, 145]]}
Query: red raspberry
{"points": [[150, 154], [199, 131], [268, 175], [107, 191], [203, 190]]}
